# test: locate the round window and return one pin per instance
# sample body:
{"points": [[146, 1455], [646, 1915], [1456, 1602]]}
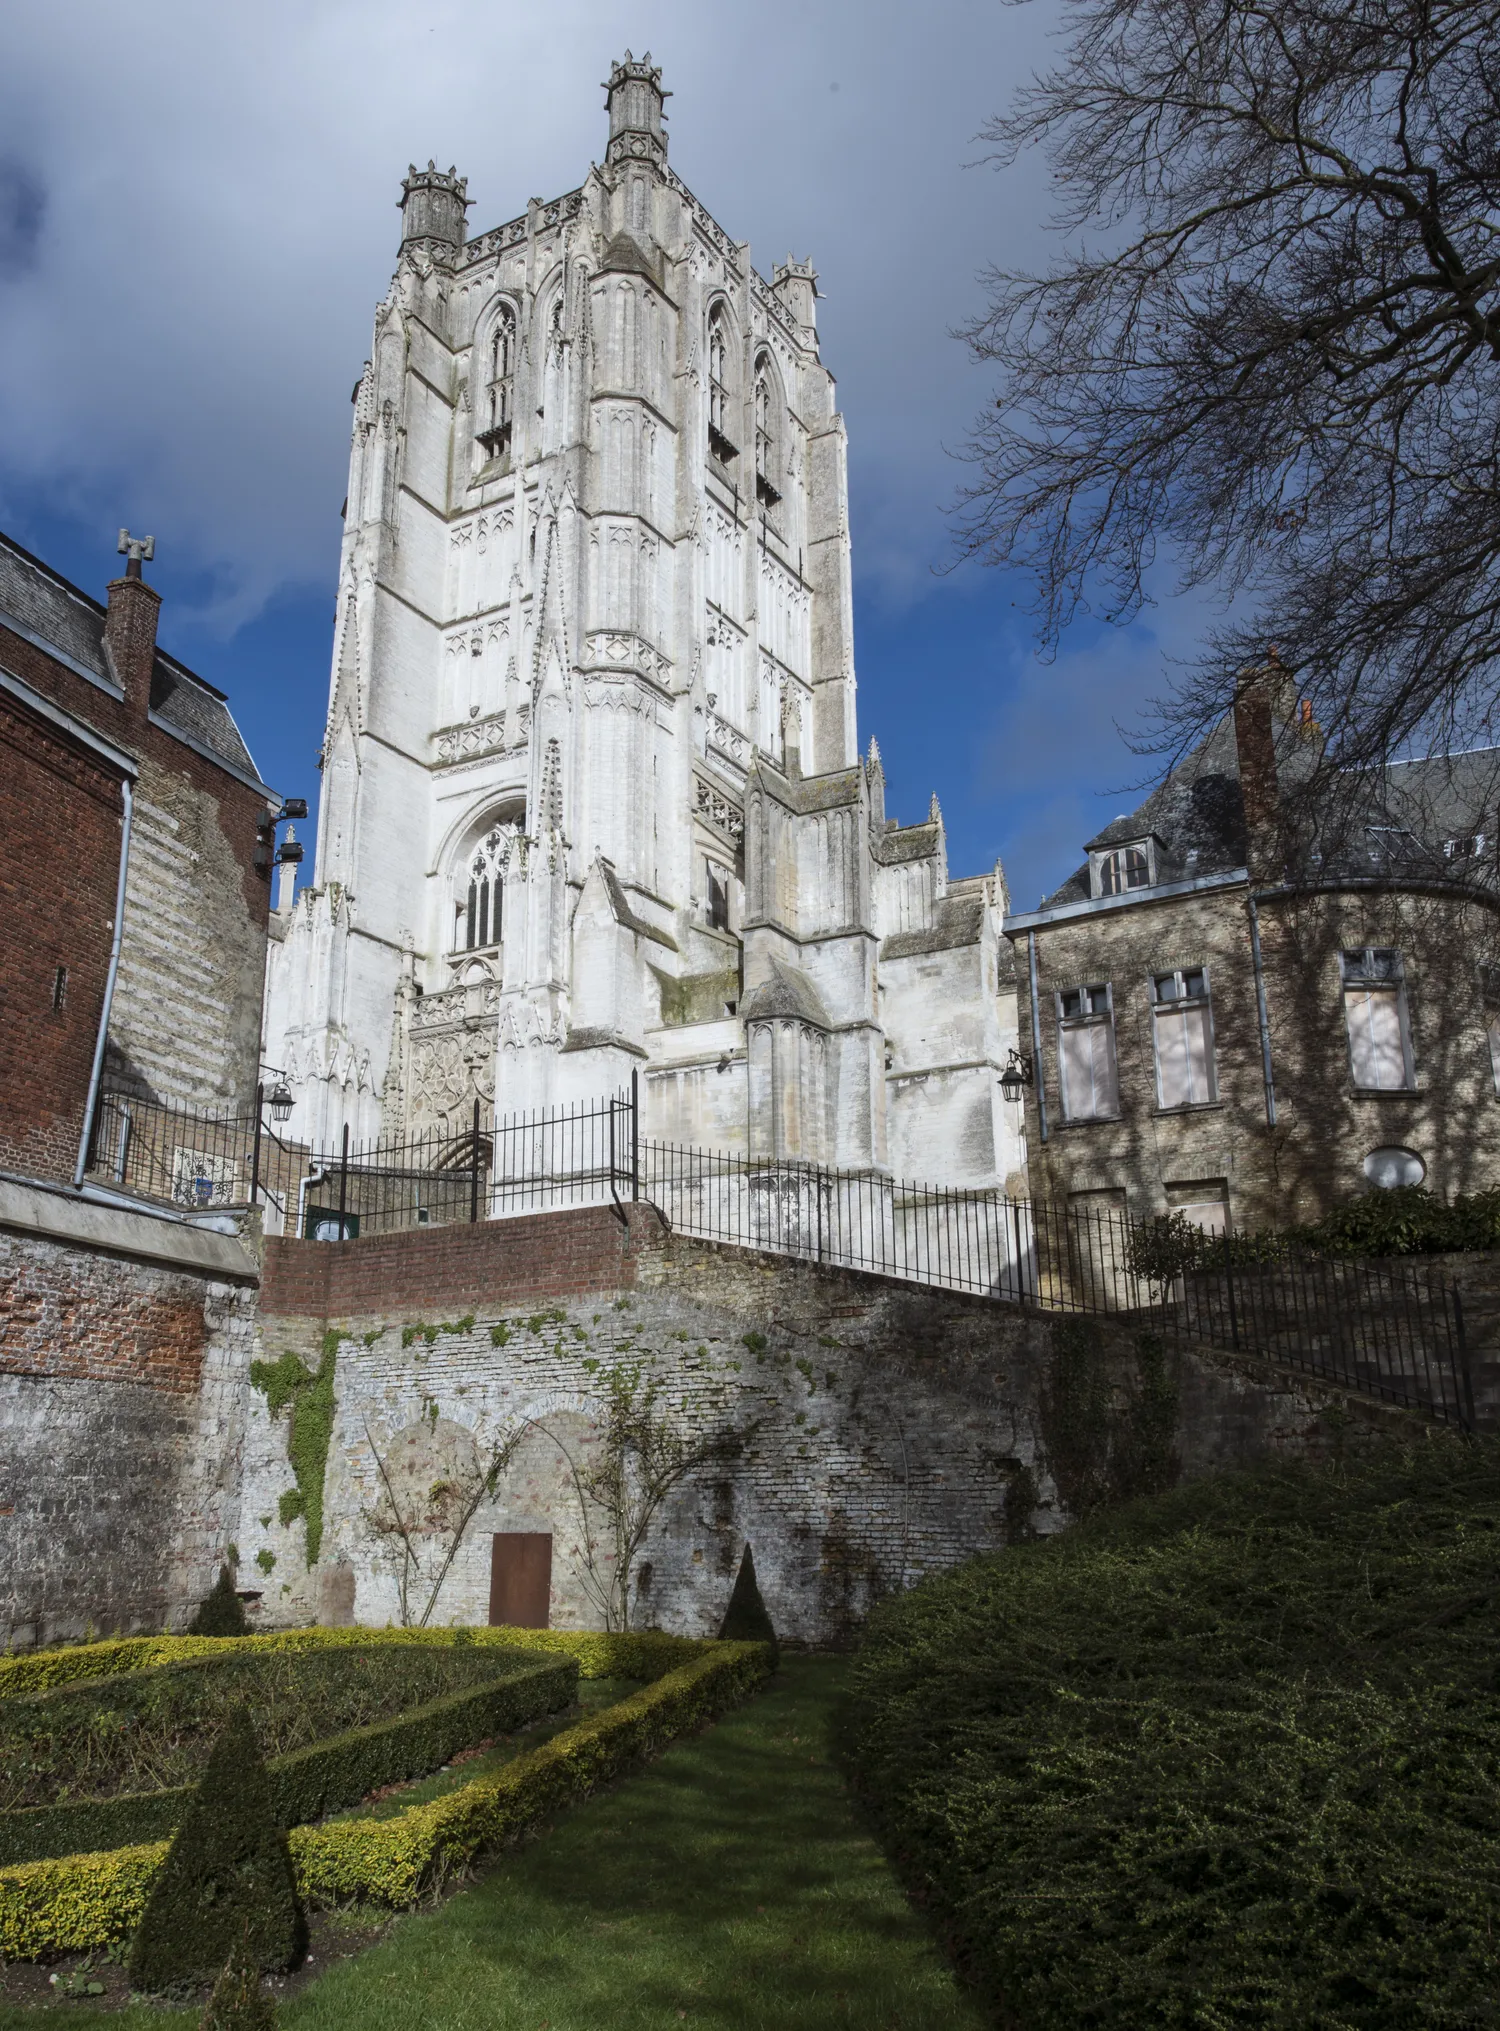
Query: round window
{"points": [[1388, 1167]]}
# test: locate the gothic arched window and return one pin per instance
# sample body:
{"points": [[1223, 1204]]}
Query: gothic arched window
{"points": [[477, 907], [766, 490], [718, 388], [500, 395]]}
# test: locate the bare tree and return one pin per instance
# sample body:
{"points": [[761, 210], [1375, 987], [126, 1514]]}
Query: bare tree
{"points": [[422, 1517], [640, 1454], [1272, 348]]}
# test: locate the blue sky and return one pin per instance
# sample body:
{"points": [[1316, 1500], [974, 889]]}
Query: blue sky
{"points": [[197, 218]]}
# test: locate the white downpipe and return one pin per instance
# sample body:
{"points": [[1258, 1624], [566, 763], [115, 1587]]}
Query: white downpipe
{"points": [[315, 1176], [109, 990]]}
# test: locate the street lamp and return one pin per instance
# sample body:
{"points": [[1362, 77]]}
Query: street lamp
{"points": [[281, 1101], [1016, 1077]]}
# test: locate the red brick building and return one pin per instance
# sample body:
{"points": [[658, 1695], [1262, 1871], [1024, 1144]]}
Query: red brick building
{"points": [[123, 780]]}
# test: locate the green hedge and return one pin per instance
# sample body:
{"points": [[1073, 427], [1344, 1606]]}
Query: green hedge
{"points": [[598, 1654], [315, 1780], [1225, 1758], [82, 1901], [146, 1731]]}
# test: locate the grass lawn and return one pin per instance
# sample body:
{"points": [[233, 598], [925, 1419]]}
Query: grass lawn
{"points": [[726, 1886]]}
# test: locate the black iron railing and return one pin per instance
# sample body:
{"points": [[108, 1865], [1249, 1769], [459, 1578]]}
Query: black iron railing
{"points": [[1393, 1331]]}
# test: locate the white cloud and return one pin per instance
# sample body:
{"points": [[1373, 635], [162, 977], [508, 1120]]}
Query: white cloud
{"points": [[199, 216]]}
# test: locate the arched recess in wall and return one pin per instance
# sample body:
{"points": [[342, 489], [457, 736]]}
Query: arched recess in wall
{"points": [[474, 888], [721, 352], [495, 377], [770, 432], [549, 361]]}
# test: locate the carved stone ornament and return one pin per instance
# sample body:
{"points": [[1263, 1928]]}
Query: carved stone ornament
{"points": [[500, 733], [713, 806]]}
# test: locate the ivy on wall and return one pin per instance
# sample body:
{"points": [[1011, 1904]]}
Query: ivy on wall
{"points": [[289, 1384], [1107, 1436]]}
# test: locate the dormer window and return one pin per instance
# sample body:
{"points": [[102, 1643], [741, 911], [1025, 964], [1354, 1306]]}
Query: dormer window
{"points": [[718, 390], [1120, 869], [501, 391]]}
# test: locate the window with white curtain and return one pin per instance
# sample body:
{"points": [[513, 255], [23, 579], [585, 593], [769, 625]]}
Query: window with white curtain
{"points": [[1183, 1033], [1086, 1053], [1375, 1015]]}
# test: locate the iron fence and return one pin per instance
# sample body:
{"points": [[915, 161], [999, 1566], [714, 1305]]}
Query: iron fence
{"points": [[1393, 1331]]}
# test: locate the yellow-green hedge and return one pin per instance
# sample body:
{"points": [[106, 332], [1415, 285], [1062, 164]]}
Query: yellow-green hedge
{"points": [[81, 1901], [600, 1655]]}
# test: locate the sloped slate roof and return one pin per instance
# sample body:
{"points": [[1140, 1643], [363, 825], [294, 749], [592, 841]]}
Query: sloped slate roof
{"points": [[61, 617], [1393, 821]]}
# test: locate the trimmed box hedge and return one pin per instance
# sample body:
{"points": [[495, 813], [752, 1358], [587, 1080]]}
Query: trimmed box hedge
{"points": [[309, 1782], [147, 1731], [76, 1902], [599, 1654]]}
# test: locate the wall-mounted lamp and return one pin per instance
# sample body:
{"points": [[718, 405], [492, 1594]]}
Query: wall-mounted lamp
{"points": [[1016, 1077], [280, 1101]]}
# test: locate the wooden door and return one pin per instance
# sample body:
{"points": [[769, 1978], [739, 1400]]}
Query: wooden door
{"points": [[521, 1578]]}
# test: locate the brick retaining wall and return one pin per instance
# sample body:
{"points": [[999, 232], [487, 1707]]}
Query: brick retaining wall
{"points": [[455, 1268]]}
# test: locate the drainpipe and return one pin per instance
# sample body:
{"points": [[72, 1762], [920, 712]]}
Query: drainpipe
{"points": [[1260, 1010], [109, 991], [315, 1176], [1036, 1037]]}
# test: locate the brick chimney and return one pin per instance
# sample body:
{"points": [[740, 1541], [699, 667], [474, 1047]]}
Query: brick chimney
{"points": [[1257, 697], [130, 627]]}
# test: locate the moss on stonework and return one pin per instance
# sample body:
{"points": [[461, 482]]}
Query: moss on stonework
{"points": [[288, 1384]]}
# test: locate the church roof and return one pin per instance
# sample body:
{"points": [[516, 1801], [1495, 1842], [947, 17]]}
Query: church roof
{"points": [[41, 605]]}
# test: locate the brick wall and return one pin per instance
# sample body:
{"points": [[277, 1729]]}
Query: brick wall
{"points": [[544, 1255], [186, 1017], [122, 1403], [58, 873], [882, 1428]]}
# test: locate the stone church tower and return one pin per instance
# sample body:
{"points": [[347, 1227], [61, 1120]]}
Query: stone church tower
{"points": [[592, 796]]}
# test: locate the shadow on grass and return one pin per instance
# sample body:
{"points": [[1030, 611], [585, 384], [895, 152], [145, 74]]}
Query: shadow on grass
{"points": [[728, 1886]]}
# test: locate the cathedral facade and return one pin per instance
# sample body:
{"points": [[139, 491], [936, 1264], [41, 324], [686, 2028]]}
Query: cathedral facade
{"points": [[593, 800]]}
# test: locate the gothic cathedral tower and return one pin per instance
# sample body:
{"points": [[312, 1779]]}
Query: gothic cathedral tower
{"points": [[592, 800]]}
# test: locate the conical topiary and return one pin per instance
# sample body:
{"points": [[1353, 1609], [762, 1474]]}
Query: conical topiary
{"points": [[227, 1879], [238, 2003], [221, 1611], [745, 1619]]}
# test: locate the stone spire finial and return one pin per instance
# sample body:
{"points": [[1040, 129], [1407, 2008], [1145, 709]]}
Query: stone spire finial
{"points": [[433, 203], [934, 811], [637, 121]]}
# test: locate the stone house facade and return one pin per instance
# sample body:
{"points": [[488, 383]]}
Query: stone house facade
{"points": [[133, 906], [1248, 1009], [593, 801]]}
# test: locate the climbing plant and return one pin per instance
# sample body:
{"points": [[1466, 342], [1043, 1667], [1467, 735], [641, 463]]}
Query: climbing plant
{"points": [[641, 1453], [1107, 1436], [289, 1384]]}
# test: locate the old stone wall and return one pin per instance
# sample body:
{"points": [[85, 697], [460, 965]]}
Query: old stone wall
{"points": [[122, 1381], [879, 1431]]}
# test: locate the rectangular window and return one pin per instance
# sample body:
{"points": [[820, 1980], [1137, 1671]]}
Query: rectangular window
{"points": [[1182, 1031], [1375, 1015], [1204, 1201], [1086, 1054]]}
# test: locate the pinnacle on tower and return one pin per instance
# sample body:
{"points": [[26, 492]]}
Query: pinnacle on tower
{"points": [[637, 120], [433, 203]]}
